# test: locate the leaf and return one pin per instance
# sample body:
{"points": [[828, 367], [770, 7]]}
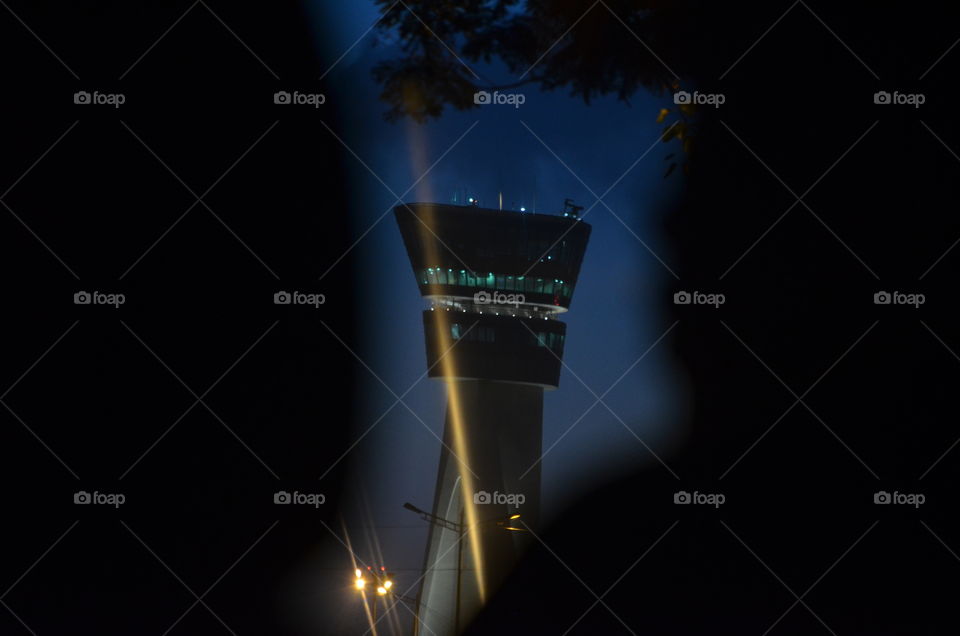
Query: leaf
{"points": [[662, 115], [673, 166], [681, 129]]}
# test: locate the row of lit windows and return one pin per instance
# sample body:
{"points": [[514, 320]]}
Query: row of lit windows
{"points": [[488, 334], [551, 340], [498, 282]]}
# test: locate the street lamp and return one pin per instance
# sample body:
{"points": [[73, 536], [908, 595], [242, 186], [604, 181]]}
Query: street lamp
{"points": [[503, 524], [381, 582], [380, 579]]}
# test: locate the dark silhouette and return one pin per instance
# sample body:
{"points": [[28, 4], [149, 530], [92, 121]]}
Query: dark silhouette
{"points": [[199, 299]]}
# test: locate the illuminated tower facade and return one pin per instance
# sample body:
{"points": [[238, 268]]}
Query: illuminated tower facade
{"points": [[497, 283]]}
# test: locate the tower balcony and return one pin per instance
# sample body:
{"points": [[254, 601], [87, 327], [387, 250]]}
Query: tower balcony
{"points": [[469, 345], [460, 251]]}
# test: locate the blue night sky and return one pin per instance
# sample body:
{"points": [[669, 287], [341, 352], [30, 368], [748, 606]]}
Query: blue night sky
{"points": [[616, 312]]}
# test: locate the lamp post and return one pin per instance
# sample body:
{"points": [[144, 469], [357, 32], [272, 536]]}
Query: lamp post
{"points": [[461, 529], [380, 581]]}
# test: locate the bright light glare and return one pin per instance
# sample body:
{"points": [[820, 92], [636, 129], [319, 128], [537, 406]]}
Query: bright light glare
{"points": [[359, 573], [381, 590], [360, 583], [388, 584]]}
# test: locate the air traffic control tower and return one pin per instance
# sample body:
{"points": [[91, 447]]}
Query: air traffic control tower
{"points": [[496, 282]]}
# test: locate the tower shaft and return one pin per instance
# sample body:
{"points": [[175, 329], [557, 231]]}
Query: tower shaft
{"points": [[497, 281]]}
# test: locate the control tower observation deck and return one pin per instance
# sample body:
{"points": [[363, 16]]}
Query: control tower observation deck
{"points": [[497, 282]]}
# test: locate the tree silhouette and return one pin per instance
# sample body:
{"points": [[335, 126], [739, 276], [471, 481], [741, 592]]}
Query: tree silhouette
{"points": [[591, 49]]}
